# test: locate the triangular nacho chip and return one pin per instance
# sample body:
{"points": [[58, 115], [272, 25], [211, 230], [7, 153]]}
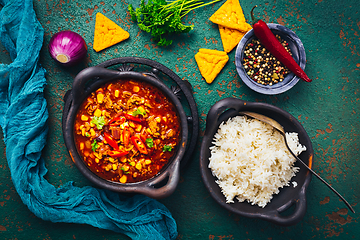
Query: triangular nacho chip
{"points": [[230, 37], [210, 63], [230, 15], [107, 33]]}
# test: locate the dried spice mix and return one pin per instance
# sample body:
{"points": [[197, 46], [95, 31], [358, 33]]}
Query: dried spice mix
{"points": [[261, 65]]}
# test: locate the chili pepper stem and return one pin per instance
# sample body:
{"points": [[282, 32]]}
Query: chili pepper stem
{"points": [[254, 20]]}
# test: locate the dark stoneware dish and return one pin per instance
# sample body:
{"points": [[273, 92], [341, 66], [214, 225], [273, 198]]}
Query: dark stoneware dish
{"points": [[86, 82], [288, 196]]}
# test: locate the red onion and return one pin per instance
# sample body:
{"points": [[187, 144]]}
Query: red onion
{"points": [[67, 48]]}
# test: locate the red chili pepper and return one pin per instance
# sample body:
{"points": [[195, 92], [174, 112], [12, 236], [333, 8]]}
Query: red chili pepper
{"points": [[111, 141], [117, 121], [271, 43], [135, 119], [139, 144], [117, 153], [126, 135]]}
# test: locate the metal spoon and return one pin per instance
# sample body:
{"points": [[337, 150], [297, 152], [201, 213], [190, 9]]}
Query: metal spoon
{"points": [[278, 127]]}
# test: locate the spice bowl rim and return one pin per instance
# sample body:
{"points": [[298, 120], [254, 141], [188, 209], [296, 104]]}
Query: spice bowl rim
{"points": [[298, 52]]}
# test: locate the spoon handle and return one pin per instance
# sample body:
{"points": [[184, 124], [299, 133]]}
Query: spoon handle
{"points": [[314, 173]]}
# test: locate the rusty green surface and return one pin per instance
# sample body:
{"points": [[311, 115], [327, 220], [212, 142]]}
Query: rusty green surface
{"points": [[328, 108]]}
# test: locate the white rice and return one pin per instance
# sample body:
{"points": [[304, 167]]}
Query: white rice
{"points": [[250, 160]]}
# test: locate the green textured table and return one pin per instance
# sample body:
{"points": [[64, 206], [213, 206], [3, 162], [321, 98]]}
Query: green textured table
{"points": [[328, 108]]}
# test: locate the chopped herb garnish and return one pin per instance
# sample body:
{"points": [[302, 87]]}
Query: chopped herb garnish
{"points": [[123, 169], [167, 148], [139, 111], [149, 142], [98, 121], [87, 134], [94, 145]]}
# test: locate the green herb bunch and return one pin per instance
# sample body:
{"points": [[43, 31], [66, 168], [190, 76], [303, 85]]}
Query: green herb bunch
{"points": [[160, 17]]}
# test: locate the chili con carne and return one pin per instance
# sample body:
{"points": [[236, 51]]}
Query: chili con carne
{"points": [[271, 43], [109, 150]]}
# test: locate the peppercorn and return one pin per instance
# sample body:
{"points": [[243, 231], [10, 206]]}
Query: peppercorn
{"points": [[261, 66]]}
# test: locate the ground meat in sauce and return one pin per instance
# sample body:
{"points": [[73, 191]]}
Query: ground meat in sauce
{"points": [[127, 131]]}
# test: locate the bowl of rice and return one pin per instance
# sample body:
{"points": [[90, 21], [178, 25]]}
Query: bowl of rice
{"points": [[246, 167]]}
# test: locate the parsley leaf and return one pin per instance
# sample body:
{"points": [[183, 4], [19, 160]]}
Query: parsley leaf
{"points": [[167, 148], [98, 121], [94, 145], [139, 111], [149, 142], [161, 18]]}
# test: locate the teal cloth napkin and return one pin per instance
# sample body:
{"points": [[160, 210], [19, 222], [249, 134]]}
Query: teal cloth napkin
{"points": [[23, 118]]}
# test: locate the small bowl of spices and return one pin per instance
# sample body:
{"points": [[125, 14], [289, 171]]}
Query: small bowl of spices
{"points": [[260, 70]]}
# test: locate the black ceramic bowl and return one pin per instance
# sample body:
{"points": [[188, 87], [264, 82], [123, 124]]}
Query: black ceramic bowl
{"points": [[298, 53], [88, 81], [288, 196]]}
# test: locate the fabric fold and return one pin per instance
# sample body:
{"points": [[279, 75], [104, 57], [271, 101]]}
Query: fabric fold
{"points": [[23, 118]]}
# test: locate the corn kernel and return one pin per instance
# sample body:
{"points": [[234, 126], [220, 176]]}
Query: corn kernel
{"points": [[138, 166], [117, 92], [125, 168], [84, 118], [131, 124], [97, 160], [135, 174], [149, 131], [123, 179], [92, 132], [138, 128], [81, 127], [132, 163], [100, 97], [122, 126], [141, 109], [88, 144], [82, 146], [147, 161], [92, 124], [114, 166], [136, 89], [83, 131], [158, 119], [108, 167], [164, 119], [123, 160], [97, 113]]}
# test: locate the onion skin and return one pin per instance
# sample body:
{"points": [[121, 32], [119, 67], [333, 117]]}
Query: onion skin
{"points": [[67, 48]]}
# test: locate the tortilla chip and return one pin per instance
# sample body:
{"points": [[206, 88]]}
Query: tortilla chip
{"points": [[230, 37], [230, 15], [107, 33], [210, 63]]}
